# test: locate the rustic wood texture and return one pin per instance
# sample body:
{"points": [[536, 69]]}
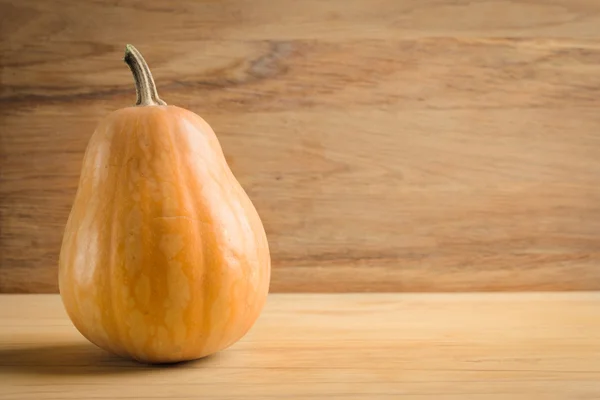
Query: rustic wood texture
{"points": [[412, 145], [335, 346]]}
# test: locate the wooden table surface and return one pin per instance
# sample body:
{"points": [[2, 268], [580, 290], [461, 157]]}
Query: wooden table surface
{"points": [[352, 346]]}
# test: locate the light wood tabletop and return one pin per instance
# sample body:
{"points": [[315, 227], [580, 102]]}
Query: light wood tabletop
{"points": [[351, 346]]}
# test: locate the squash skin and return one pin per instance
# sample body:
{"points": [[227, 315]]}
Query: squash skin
{"points": [[164, 257]]}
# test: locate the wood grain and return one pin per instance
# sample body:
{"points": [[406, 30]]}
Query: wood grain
{"points": [[313, 346], [388, 146]]}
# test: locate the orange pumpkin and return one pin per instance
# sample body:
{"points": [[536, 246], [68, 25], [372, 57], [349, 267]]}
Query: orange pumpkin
{"points": [[164, 257]]}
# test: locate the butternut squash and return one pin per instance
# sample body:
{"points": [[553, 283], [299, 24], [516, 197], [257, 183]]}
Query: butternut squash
{"points": [[164, 257]]}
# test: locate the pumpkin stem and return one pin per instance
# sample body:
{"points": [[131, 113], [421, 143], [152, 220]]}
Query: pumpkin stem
{"points": [[144, 83]]}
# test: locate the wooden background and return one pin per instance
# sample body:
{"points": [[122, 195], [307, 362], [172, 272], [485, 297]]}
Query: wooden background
{"points": [[389, 145]]}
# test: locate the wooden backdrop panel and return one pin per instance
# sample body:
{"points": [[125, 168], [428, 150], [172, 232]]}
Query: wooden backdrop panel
{"points": [[388, 145]]}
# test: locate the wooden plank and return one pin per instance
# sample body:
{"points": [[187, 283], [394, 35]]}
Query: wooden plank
{"points": [[94, 25], [269, 76], [380, 159], [478, 208], [376, 346]]}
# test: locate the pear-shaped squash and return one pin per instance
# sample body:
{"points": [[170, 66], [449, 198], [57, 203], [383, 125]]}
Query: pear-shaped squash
{"points": [[164, 257]]}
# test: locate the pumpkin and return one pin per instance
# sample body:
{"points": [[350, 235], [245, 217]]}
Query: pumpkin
{"points": [[164, 257]]}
